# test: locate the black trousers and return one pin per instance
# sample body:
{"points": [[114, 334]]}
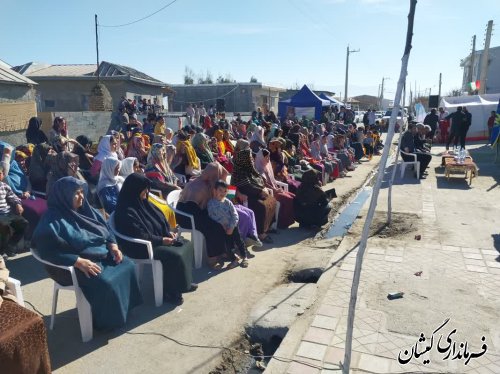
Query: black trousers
{"points": [[234, 241], [455, 136], [423, 158], [462, 135]]}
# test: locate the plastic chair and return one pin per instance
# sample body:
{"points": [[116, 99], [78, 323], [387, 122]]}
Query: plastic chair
{"points": [[157, 268], [82, 304], [403, 163], [197, 237], [415, 163], [282, 185], [15, 287], [181, 178]]}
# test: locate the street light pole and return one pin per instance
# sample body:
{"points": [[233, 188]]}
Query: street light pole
{"points": [[349, 51]]}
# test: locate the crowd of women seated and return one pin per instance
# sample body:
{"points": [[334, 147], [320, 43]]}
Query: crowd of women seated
{"points": [[277, 171]]}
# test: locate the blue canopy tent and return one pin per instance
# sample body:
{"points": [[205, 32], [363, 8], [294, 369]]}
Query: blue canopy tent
{"points": [[305, 102], [332, 100]]}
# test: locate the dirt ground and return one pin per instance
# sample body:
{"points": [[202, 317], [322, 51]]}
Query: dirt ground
{"points": [[402, 224]]}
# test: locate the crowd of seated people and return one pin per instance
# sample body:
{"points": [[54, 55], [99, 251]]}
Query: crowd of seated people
{"points": [[240, 180]]}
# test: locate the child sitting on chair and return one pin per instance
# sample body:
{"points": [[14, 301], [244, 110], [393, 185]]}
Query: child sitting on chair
{"points": [[222, 210]]}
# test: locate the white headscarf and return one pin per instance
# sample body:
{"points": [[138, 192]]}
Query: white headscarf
{"points": [[107, 177], [104, 149], [258, 136], [127, 166]]}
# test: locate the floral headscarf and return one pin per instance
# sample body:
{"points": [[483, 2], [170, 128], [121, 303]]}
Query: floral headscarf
{"points": [[157, 162], [244, 172]]}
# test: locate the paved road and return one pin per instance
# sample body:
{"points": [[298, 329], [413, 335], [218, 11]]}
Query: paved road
{"points": [[459, 261]]}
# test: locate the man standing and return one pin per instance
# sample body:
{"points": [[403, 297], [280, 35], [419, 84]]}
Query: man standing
{"points": [[190, 113], [465, 128], [371, 117], [203, 113], [457, 122], [432, 120], [408, 146]]}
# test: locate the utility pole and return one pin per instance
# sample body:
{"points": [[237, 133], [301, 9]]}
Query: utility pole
{"points": [[97, 49], [439, 93], [484, 59], [349, 51], [382, 91]]}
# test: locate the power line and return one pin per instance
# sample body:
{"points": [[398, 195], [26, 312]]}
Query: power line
{"points": [[143, 18]]}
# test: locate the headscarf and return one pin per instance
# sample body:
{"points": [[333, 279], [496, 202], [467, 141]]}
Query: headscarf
{"points": [[158, 163], [219, 135], [184, 146], [60, 167], [202, 149], [104, 149], [136, 147], [309, 191], [132, 209], [227, 142], [33, 133], [39, 164], [258, 136], [199, 189], [107, 177], [6, 151], [16, 179], [244, 172], [127, 166], [264, 167], [74, 230], [241, 145]]}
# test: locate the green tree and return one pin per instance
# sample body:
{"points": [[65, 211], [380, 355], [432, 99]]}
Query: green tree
{"points": [[253, 79], [188, 75]]}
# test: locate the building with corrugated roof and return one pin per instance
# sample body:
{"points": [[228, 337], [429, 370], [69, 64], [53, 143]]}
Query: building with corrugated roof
{"points": [[17, 103], [68, 87]]}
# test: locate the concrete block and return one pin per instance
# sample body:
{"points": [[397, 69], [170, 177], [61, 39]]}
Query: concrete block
{"points": [[275, 313]]}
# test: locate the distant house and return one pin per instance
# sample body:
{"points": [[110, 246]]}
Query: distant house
{"points": [[493, 70], [67, 88], [231, 97], [17, 104]]}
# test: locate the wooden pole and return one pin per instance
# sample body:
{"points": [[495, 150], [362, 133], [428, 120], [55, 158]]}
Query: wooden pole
{"points": [[373, 203], [97, 49]]}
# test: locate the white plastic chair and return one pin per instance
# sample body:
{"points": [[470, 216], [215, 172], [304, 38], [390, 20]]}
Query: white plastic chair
{"points": [[414, 163], [282, 185], [41, 194], [82, 304], [14, 287], [403, 163], [156, 266], [181, 178], [197, 237]]}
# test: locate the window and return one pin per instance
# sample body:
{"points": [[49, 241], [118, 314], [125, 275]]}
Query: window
{"points": [[50, 103]]}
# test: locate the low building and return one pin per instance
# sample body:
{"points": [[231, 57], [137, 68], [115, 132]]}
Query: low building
{"points": [[17, 104], [492, 75], [231, 97], [67, 88]]}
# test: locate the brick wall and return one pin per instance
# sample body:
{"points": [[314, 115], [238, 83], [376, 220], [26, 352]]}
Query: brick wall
{"points": [[14, 116]]}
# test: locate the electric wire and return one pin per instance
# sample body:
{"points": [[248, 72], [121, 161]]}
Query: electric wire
{"points": [[140, 19], [203, 100], [231, 350]]}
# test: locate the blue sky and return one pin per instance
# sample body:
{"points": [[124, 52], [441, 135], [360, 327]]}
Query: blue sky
{"points": [[281, 42]]}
